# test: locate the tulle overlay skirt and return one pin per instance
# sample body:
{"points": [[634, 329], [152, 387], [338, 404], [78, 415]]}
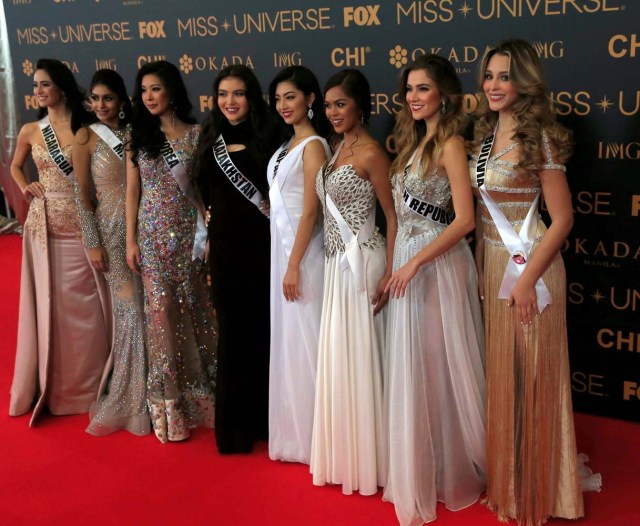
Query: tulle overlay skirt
{"points": [[531, 449], [348, 438], [435, 388]]}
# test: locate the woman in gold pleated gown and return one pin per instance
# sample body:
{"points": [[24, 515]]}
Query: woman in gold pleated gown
{"points": [[532, 467]]}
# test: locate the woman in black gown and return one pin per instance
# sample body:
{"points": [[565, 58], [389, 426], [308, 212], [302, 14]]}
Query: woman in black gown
{"points": [[235, 145]]}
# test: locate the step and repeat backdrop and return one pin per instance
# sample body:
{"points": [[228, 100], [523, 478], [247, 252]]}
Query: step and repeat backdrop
{"points": [[591, 53]]}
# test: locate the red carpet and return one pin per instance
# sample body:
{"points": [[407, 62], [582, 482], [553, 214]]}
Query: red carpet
{"points": [[56, 474]]}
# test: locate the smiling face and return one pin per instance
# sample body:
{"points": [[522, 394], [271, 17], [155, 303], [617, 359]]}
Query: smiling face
{"points": [[232, 99], [341, 110], [422, 95], [154, 95], [497, 86], [47, 93], [291, 103], [105, 104]]}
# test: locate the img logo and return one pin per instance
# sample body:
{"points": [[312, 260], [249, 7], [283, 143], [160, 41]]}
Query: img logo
{"points": [[153, 29], [362, 15], [619, 150], [286, 59]]}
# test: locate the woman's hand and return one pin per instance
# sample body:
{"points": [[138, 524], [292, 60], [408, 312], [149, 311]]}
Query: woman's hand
{"points": [[291, 284], [35, 189], [381, 296], [98, 258], [397, 284], [265, 207], [524, 299], [133, 256]]}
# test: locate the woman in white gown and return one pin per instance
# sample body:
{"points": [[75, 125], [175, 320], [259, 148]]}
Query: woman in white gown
{"points": [[297, 262], [348, 444], [435, 390]]}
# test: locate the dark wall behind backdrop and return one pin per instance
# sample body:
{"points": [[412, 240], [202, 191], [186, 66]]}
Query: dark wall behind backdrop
{"points": [[591, 52]]}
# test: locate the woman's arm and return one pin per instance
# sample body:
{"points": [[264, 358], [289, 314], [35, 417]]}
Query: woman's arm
{"points": [[83, 146], [454, 161], [555, 190], [378, 165], [131, 213], [313, 157], [23, 149], [479, 251]]}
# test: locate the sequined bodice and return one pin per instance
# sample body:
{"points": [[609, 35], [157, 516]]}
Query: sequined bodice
{"points": [[62, 216], [433, 188], [107, 169], [513, 190], [166, 218], [356, 201]]}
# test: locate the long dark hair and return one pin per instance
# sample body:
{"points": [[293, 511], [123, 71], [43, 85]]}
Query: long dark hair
{"points": [[263, 141], [146, 133], [73, 95], [304, 80], [114, 82]]}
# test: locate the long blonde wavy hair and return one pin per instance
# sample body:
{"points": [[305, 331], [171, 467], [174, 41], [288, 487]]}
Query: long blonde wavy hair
{"points": [[409, 132], [533, 111]]}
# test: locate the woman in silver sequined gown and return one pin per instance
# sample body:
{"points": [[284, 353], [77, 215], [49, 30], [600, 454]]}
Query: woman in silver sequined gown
{"points": [[435, 389], [123, 396], [161, 228], [348, 440]]}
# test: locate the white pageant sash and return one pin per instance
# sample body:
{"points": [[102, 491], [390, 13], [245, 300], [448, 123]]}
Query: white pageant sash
{"points": [[279, 213], [53, 147], [106, 134], [235, 176], [352, 256], [518, 245], [179, 173]]}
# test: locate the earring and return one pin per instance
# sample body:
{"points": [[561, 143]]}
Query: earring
{"points": [[310, 113], [362, 119], [443, 109], [122, 114]]}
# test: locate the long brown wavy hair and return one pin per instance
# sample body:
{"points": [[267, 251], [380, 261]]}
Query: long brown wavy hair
{"points": [[408, 132], [533, 111]]}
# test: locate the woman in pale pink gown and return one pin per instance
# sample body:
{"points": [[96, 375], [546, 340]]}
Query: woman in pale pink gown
{"points": [[65, 316]]}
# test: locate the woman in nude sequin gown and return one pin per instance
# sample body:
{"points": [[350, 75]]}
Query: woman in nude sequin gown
{"points": [[98, 159], [65, 316], [163, 234], [532, 466]]}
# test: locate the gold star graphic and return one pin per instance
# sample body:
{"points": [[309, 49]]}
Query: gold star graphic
{"points": [[54, 35], [605, 104], [597, 296], [465, 9], [226, 26]]}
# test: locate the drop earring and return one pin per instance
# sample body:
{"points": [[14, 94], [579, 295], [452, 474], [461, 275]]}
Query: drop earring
{"points": [[443, 109], [122, 114], [310, 113]]}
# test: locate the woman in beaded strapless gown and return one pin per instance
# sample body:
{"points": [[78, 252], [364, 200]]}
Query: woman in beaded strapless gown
{"points": [[65, 315], [164, 227], [98, 158], [348, 441], [532, 464], [435, 388]]}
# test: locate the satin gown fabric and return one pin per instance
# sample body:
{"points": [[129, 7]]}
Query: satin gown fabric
{"points": [[295, 325], [65, 314]]}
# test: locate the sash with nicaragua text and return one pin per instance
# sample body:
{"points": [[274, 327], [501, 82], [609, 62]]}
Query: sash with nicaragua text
{"points": [[520, 244], [106, 134], [53, 147], [235, 176], [181, 177]]}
